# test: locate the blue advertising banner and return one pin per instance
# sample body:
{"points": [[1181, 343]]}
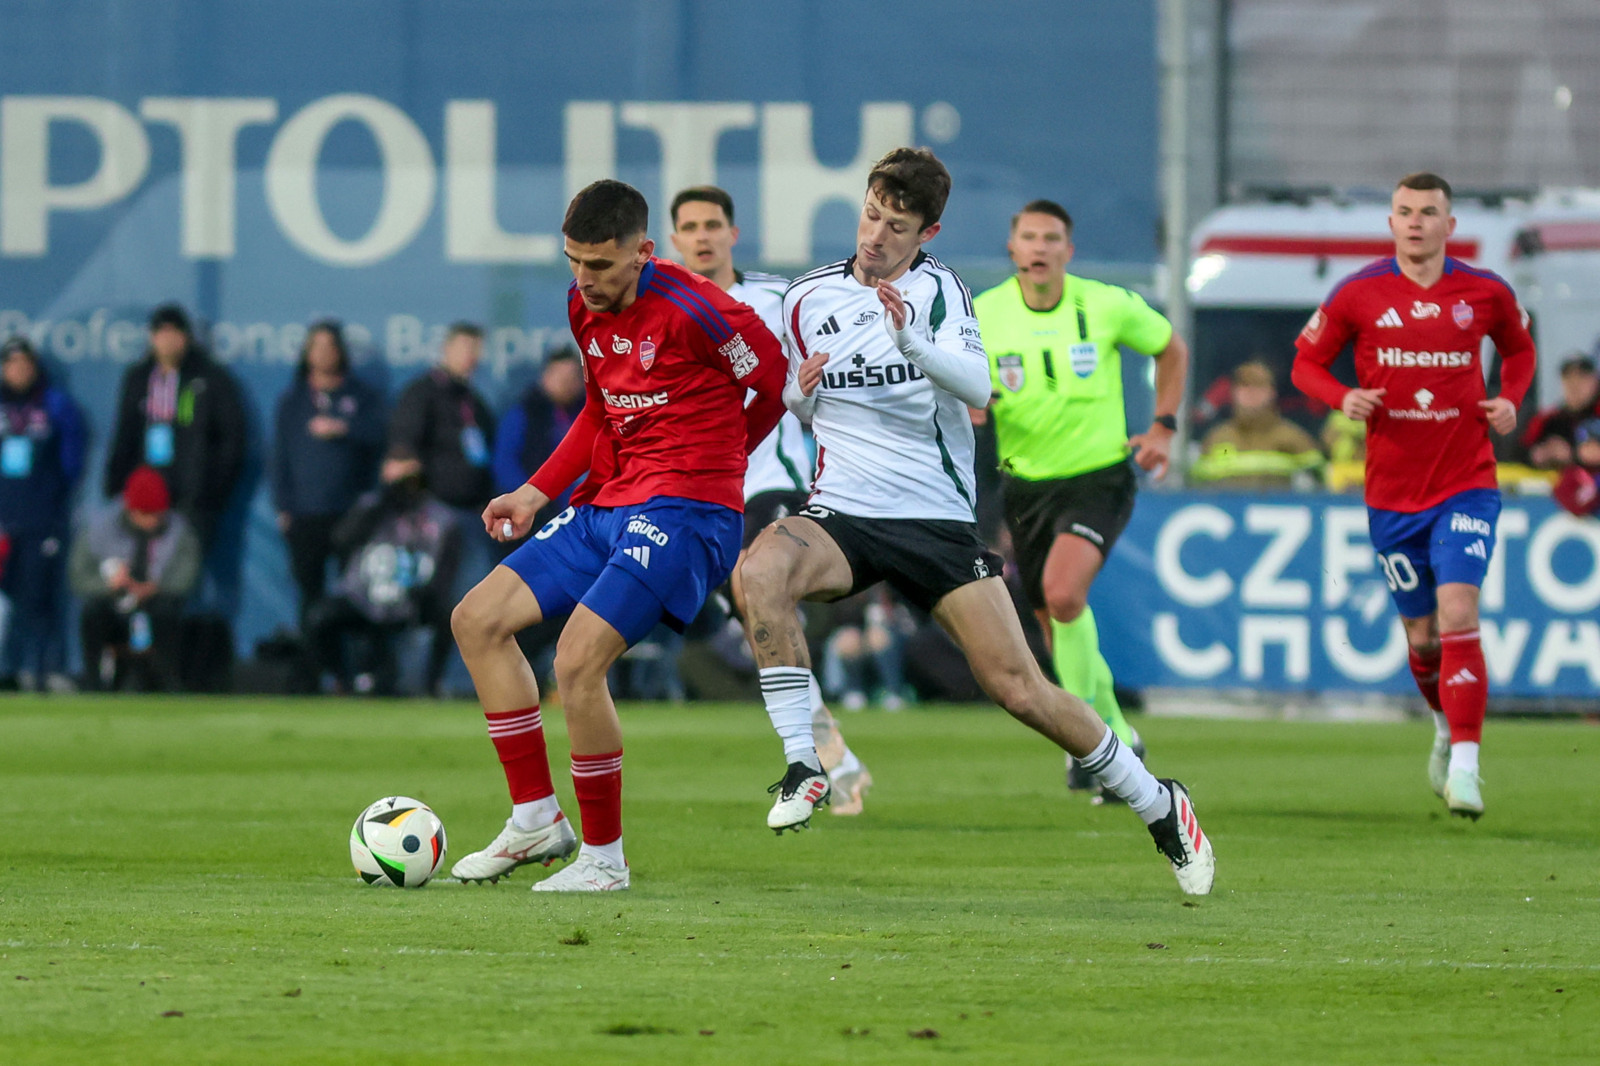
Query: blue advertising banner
{"points": [[401, 164], [1284, 593]]}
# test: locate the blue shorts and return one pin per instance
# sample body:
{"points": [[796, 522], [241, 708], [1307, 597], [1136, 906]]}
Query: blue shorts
{"points": [[1449, 542], [634, 565]]}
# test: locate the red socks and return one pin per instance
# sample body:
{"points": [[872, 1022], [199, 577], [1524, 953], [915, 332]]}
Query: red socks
{"points": [[519, 741], [597, 782], [1426, 671], [1463, 684]]}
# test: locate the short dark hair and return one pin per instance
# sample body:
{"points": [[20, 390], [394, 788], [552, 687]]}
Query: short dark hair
{"points": [[1424, 180], [1044, 207], [1577, 363], [564, 354], [703, 194], [913, 180], [18, 344], [333, 328], [171, 314], [463, 328], [605, 211]]}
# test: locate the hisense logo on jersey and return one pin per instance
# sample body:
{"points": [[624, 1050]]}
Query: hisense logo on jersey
{"points": [[1401, 357], [633, 401]]}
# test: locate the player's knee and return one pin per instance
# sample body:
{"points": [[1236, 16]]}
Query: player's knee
{"points": [[764, 574], [1064, 603], [576, 666], [472, 623], [1015, 690]]}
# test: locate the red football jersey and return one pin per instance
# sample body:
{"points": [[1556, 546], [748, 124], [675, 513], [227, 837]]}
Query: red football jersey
{"points": [[1429, 439], [666, 379]]}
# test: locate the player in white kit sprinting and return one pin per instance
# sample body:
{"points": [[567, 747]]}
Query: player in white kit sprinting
{"points": [[780, 470], [885, 358]]}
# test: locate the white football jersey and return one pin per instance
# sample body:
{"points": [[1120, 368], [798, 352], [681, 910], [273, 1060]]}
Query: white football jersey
{"points": [[890, 443], [782, 462]]}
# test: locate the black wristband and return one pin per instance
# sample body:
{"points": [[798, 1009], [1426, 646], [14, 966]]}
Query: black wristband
{"points": [[1170, 422]]}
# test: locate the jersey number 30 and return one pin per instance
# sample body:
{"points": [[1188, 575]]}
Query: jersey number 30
{"points": [[1398, 571]]}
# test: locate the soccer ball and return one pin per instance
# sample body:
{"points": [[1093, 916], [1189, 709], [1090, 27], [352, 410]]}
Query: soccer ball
{"points": [[397, 841]]}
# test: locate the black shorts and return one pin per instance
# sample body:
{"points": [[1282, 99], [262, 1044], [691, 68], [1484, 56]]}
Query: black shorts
{"points": [[765, 508], [1095, 506], [922, 559]]}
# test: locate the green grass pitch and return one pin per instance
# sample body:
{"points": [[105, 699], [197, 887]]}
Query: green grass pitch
{"points": [[175, 888]]}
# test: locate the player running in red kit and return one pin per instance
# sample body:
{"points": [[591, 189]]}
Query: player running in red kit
{"points": [[667, 359], [1418, 322]]}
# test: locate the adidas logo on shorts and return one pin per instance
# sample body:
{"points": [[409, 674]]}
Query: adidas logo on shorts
{"points": [[639, 554]]}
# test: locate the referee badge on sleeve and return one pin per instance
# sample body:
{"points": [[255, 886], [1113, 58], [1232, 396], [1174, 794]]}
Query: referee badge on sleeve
{"points": [[1012, 375]]}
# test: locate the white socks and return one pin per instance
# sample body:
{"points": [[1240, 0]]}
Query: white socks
{"points": [[610, 853], [1464, 756], [786, 690], [1120, 770], [535, 815], [1441, 725]]}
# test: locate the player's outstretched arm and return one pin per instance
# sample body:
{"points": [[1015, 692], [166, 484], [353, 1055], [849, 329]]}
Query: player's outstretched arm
{"points": [[953, 360]]}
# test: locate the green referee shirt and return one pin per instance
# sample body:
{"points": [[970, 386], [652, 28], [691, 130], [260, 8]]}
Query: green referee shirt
{"points": [[1057, 374]]}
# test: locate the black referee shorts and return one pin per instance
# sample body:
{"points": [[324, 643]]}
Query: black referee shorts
{"points": [[1095, 506]]}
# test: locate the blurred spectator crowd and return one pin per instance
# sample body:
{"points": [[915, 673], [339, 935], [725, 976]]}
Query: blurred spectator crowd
{"points": [[379, 509]]}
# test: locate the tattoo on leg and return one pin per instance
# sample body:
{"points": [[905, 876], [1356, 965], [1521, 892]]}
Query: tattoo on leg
{"points": [[783, 531], [762, 635]]}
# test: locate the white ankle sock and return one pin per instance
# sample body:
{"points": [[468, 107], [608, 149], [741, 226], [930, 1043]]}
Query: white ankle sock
{"points": [[847, 765], [786, 690], [611, 853], [1441, 725], [1119, 769], [1464, 756], [536, 814]]}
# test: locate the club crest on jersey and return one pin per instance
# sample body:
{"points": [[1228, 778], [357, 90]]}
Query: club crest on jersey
{"points": [[1424, 310], [647, 354], [1313, 327], [1012, 374], [1085, 357], [1462, 313], [621, 345]]}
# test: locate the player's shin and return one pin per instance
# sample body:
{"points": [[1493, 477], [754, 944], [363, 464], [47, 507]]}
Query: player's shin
{"points": [[597, 783], [786, 691], [1463, 694], [1425, 670], [519, 742]]}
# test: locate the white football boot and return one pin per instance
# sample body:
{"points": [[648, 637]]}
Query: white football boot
{"points": [[1463, 794], [586, 873], [849, 791], [1439, 764], [517, 847], [800, 793], [1179, 838]]}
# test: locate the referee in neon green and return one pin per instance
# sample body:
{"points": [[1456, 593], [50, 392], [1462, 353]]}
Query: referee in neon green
{"points": [[1054, 343]]}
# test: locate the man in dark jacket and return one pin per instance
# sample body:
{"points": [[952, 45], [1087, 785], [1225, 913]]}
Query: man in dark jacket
{"points": [[442, 421], [179, 412], [325, 448], [530, 431], [41, 456]]}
